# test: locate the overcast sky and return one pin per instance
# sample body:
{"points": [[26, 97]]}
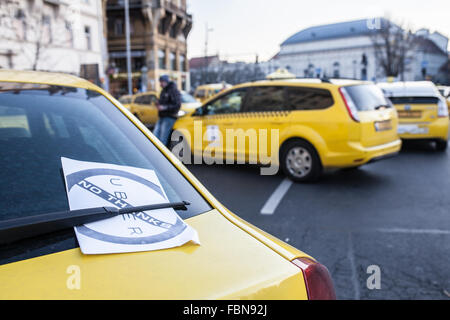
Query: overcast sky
{"points": [[244, 28]]}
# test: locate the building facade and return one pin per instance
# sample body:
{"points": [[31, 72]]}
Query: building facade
{"points": [[346, 50], [53, 35], [158, 36]]}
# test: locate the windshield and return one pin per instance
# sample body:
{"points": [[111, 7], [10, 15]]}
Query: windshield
{"points": [[40, 125], [367, 97]]}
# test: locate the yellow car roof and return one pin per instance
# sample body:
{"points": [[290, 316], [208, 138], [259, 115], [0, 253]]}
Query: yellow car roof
{"points": [[305, 81], [50, 78]]}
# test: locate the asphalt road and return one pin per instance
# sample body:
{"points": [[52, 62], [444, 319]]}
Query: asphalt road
{"points": [[393, 214]]}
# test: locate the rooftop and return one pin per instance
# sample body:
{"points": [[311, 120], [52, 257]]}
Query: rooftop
{"points": [[337, 30]]}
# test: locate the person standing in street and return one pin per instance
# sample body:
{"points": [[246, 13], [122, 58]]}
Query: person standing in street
{"points": [[169, 105]]}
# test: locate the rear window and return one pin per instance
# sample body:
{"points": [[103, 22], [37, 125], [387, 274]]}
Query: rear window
{"points": [[39, 126], [367, 97], [414, 100]]}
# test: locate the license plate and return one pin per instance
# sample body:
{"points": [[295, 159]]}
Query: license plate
{"points": [[383, 125], [412, 129], [407, 114]]}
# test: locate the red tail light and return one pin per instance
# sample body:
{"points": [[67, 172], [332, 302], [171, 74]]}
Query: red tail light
{"points": [[319, 284], [351, 107]]}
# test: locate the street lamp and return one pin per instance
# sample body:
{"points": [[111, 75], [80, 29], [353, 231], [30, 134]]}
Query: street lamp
{"points": [[127, 37]]}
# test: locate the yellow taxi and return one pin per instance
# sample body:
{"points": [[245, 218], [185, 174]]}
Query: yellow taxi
{"points": [[44, 117], [422, 111], [206, 91], [143, 106], [301, 125]]}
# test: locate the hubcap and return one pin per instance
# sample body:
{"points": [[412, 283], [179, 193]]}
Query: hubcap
{"points": [[299, 162]]}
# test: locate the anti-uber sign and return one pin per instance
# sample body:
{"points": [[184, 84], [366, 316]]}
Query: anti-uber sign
{"points": [[91, 185]]}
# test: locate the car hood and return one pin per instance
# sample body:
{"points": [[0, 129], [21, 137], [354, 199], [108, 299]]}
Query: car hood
{"points": [[229, 264]]}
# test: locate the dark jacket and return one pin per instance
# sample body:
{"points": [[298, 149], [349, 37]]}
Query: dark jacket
{"points": [[170, 97]]}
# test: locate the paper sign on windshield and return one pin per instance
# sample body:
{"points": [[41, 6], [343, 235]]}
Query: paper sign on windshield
{"points": [[91, 185]]}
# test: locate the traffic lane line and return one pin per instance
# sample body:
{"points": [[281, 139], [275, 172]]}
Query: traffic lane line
{"points": [[274, 200]]}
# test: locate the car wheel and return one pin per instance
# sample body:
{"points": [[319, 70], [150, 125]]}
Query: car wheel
{"points": [[441, 145], [300, 161]]}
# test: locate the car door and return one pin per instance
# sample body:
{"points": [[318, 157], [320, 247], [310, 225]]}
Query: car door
{"points": [[264, 114], [219, 115]]}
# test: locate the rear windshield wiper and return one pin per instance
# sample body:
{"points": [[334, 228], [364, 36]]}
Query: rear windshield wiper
{"points": [[27, 227], [381, 106]]}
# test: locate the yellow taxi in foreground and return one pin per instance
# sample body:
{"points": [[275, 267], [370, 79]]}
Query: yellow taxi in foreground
{"points": [[44, 117], [143, 106], [303, 126], [206, 91], [422, 111]]}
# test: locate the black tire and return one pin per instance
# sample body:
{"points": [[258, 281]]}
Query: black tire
{"points": [[441, 145], [300, 162]]}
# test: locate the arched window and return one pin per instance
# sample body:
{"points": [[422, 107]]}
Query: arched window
{"points": [[162, 59]]}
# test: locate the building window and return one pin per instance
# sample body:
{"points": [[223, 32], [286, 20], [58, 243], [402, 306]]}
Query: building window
{"points": [[69, 33], [47, 26], [336, 70], [118, 27], [173, 61], [162, 59], [87, 33], [182, 63], [173, 33]]}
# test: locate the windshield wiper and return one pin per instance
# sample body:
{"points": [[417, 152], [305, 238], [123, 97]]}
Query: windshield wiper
{"points": [[381, 106], [27, 227]]}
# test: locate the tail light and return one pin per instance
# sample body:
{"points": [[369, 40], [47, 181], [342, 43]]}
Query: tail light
{"points": [[442, 109], [351, 106], [319, 284]]}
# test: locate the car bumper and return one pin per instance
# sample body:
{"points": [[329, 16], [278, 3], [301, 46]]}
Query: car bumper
{"points": [[358, 155], [437, 129]]}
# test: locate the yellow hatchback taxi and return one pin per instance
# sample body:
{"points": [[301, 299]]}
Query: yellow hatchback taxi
{"points": [[206, 91], [44, 117], [319, 124], [422, 111], [143, 106]]}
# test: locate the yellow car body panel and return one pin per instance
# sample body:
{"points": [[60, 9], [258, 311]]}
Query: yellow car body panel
{"points": [[266, 271], [229, 264], [339, 141], [147, 113], [426, 119]]}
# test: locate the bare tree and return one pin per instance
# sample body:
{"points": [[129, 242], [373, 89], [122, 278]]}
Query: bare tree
{"points": [[393, 46]]}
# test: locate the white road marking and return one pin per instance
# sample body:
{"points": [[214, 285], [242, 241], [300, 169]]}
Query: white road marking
{"points": [[351, 258], [276, 197], [413, 231]]}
